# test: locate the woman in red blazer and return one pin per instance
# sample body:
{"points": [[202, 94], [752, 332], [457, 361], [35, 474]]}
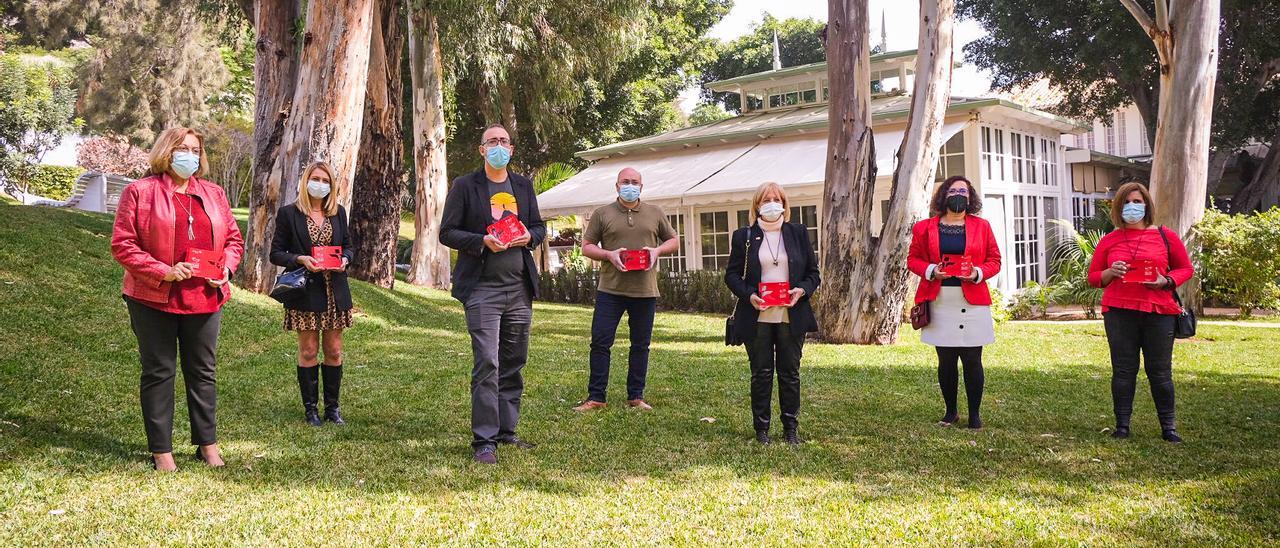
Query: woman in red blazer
{"points": [[1139, 315], [161, 220], [956, 290]]}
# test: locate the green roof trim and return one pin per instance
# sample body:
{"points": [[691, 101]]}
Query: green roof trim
{"points": [[962, 104], [798, 69]]}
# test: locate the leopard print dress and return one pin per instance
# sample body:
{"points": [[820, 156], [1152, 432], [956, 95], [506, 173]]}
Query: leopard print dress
{"points": [[332, 318]]}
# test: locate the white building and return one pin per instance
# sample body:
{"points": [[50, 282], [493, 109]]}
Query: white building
{"points": [[704, 176]]}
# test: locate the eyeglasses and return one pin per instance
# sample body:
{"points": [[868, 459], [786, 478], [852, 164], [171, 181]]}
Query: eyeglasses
{"points": [[192, 150], [497, 141], [957, 191]]}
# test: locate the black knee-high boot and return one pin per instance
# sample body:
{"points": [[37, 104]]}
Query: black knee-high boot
{"points": [[332, 388], [309, 386]]}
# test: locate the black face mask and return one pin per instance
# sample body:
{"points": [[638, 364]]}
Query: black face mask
{"points": [[957, 203]]}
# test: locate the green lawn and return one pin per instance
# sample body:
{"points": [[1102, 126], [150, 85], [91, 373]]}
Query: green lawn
{"points": [[876, 470]]}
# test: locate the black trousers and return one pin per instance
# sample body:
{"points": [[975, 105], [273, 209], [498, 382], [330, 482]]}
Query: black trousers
{"points": [[163, 337], [604, 329], [1130, 332], [949, 378], [774, 348]]}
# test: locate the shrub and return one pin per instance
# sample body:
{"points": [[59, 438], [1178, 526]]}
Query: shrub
{"points": [[1240, 258], [1070, 260], [1030, 302], [693, 291], [112, 155], [53, 182], [999, 310]]}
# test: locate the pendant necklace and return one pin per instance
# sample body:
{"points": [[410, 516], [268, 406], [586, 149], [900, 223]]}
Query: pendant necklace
{"points": [[191, 219]]}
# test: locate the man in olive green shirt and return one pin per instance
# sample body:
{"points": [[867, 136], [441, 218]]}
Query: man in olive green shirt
{"points": [[625, 224]]}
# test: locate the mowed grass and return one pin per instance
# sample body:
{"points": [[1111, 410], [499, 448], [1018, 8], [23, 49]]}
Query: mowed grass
{"points": [[876, 470]]}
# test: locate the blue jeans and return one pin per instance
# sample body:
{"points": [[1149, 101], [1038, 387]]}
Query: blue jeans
{"points": [[604, 327]]}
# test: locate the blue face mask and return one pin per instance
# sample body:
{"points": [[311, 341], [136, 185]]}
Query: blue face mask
{"points": [[184, 164], [1132, 213], [498, 156], [629, 193]]}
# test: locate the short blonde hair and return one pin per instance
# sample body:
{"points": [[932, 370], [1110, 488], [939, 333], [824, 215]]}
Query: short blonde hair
{"points": [[764, 191], [161, 157], [1122, 194], [336, 190]]}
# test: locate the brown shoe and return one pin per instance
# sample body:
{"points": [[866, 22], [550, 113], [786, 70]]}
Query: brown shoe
{"points": [[590, 405], [640, 404]]}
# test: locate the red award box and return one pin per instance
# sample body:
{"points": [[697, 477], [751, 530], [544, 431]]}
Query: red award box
{"points": [[1141, 271], [507, 229], [776, 293], [635, 259], [208, 264], [328, 257], [960, 266]]}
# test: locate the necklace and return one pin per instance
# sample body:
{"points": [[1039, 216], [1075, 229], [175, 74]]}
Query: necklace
{"points": [[191, 219], [773, 250]]}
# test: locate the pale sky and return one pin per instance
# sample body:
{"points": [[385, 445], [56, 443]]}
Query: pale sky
{"points": [[900, 16]]}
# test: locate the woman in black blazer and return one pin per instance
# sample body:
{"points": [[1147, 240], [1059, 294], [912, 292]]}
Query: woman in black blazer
{"points": [[321, 313], [773, 250]]}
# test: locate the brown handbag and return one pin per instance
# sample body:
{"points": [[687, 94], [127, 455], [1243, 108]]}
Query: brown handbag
{"points": [[920, 315]]}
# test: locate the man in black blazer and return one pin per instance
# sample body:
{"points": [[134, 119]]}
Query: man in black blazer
{"points": [[496, 284]]}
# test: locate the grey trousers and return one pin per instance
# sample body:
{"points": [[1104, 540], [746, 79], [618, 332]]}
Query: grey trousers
{"points": [[162, 338], [499, 322]]}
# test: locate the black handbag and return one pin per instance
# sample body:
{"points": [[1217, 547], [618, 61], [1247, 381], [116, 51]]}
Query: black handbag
{"points": [[1184, 327], [290, 285], [731, 337]]}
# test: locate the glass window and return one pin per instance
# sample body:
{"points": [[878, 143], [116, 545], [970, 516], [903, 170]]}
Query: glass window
{"points": [[951, 158], [1026, 239], [1015, 156], [675, 261], [715, 239], [808, 216], [1121, 134]]}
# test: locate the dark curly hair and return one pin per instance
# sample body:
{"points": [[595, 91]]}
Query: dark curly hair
{"points": [[938, 205]]}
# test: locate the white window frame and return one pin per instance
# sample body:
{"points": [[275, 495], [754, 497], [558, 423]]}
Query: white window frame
{"points": [[676, 262]]}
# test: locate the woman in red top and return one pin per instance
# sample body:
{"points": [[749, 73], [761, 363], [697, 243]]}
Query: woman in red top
{"points": [[959, 303], [1139, 314], [161, 220]]}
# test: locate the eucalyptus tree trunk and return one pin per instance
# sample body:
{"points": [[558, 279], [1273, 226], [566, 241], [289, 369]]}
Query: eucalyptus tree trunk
{"points": [[1263, 190], [1185, 34], [275, 70], [379, 177], [429, 264], [864, 278]]}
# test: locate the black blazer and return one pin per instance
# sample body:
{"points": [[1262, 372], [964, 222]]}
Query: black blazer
{"points": [[292, 241], [465, 222], [802, 264]]}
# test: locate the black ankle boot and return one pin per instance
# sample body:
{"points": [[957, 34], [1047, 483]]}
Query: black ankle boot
{"points": [[762, 436], [791, 435], [332, 387], [1171, 436], [1121, 433], [309, 386]]}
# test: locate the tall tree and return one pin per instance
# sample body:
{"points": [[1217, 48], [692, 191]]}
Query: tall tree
{"points": [[799, 43], [1100, 67], [324, 120], [275, 70], [870, 273], [1185, 35], [429, 261], [379, 179]]}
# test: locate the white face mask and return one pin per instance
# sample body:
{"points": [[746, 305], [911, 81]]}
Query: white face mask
{"points": [[771, 211], [317, 189]]}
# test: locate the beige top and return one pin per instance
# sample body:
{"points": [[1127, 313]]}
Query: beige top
{"points": [[615, 226], [770, 246]]}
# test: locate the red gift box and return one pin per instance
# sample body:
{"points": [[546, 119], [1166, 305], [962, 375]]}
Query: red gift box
{"points": [[327, 256], [776, 293], [960, 266], [208, 264], [635, 259], [1141, 271], [507, 229]]}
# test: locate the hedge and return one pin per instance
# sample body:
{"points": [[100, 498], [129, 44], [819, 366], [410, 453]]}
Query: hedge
{"points": [[694, 291], [53, 182]]}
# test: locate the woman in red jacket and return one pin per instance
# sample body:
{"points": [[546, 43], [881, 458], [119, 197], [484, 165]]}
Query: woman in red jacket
{"points": [[954, 252], [1139, 314], [161, 220]]}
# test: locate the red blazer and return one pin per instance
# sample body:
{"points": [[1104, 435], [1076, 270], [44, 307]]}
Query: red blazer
{"points": [[142, 238], [980, 245]]}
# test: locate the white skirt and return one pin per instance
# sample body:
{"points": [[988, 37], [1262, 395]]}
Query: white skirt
{"points": [[955, 322]]}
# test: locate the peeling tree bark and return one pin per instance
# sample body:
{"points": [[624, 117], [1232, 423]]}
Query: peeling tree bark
{"points": [[865, 278], [275, 72], [379, 177], [429, 265]]}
